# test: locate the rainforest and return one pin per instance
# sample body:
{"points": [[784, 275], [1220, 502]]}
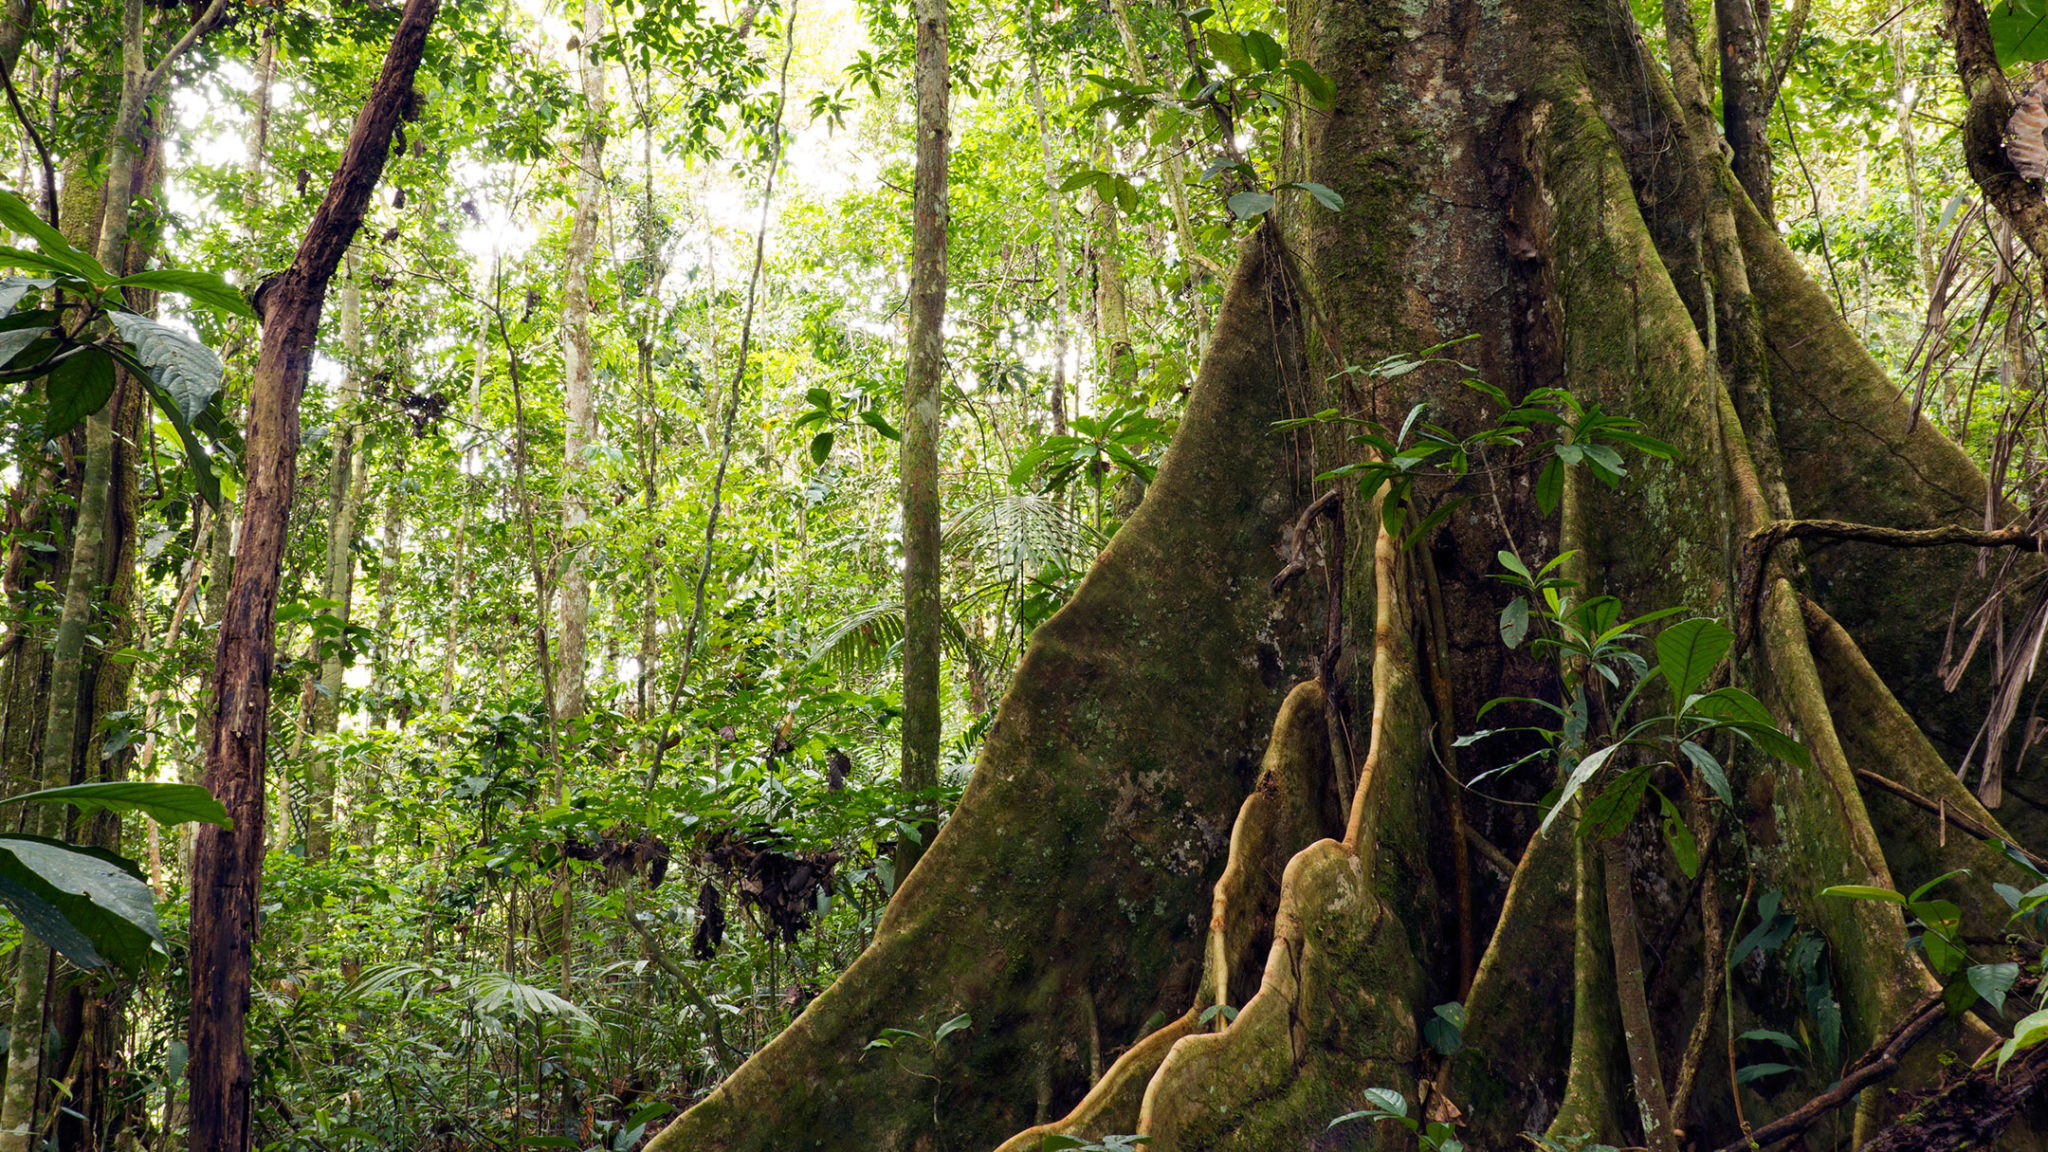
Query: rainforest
{"points": [[1095, 575]]}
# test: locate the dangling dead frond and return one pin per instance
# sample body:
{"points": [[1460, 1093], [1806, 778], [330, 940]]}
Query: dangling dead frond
{"points": [[2026, 134]]}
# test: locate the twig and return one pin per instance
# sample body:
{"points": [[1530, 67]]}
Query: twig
{"points": [[1490, 853], [35, 138], [1873, 1066], [1757, 550], [1940, 810]]}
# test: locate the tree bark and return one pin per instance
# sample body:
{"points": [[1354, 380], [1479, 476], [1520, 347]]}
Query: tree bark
{"points": [[347, 483], [923, 420], [228, 862], [579, 430], [1744, 28]]}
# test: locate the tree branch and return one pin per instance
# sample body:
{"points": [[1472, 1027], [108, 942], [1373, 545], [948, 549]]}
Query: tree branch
{"points": [[1962, 822], [1757, 550], [1873, 1066]]}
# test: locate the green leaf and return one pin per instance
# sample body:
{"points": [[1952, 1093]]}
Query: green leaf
{"points": [[1314, 85], [873, 419], [1688, 652], [1265, 51], [2017, 34], [1246, 205], [1756, 1072], [1778, 1038], [1229, 48], [16, 340], [1709, 769], [1513, 563], [1581, 772], [956, 1024], [1993, 981], [185, 369], [821, 447], [197, 459], [1388, 1100], [1550, 486], [1683, 848], [166, 804], [1864, 892], [87, 904], [2030, 1031], [1609, 813], [50, 243], [1321, 192], [14, 288], [199, 287], [80, 385], [1514, 622]]}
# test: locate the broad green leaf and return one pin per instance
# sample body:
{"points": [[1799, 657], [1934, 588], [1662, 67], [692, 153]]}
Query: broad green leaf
{"points": [[1264, 50], [87, 904], [821, 447], [1688, 652], [199, 287], [1229, 48], [1246, 205], [957, 1023], [874, 419], [1683, 848], [1316, 86], [15, 340], [164, 803], [1778, 1038], [1993, 981], [14, 288], [2018, 35], [197, 459], [80, 385], [187, 371], [1513, 563], [1754, 1072], [1388, 1100], [50, 243], [2030, 1031]]}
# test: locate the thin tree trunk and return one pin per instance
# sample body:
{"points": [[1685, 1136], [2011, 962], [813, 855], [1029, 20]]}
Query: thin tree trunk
{"points": [[1909, 155], [228, 862], [390, 557], [458, 583], [1056, 235], [1119, 370], [580, 426], [922, 421], [1745, 29], [347, 478]]}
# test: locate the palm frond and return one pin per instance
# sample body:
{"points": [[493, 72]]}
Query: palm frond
{"points": [[1020, 533], [870, 638]]}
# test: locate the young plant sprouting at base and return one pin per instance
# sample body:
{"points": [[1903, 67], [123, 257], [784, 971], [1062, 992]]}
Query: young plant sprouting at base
{"points": [[1593, 648]]}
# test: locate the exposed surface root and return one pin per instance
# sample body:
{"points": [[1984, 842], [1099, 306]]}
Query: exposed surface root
{"points": [[1287, 810]]}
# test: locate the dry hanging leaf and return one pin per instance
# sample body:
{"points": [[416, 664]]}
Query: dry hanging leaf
{"points": [[2027, 133]]}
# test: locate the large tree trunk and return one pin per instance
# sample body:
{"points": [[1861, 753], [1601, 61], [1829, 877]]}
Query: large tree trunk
{"points": [[1530, 178], [227, 864]]}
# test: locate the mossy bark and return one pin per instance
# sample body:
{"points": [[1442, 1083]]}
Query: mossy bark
{"points": [[1521, 173]]}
